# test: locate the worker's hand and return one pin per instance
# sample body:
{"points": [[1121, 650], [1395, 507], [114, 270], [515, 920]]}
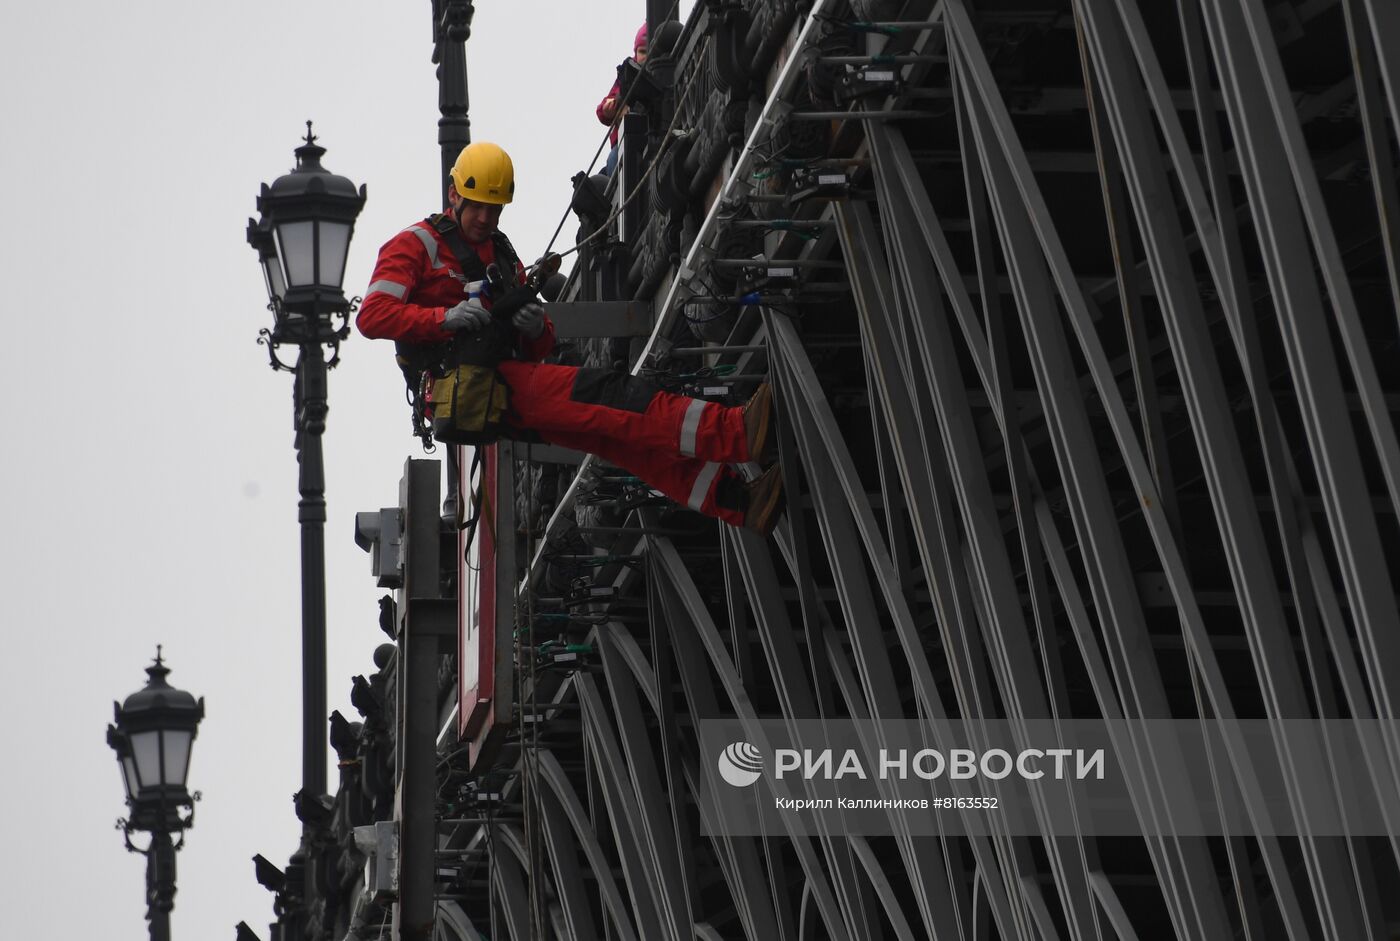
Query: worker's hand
{"points": [[468, 315], [609, 110], [529, 320]]}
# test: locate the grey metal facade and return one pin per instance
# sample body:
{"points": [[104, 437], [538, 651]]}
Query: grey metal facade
{"points": [[1087, 373]]}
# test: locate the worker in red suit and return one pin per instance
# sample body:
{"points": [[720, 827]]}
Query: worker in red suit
{"points": [[423, 291]]}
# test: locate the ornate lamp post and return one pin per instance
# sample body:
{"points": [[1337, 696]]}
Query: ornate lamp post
{"points": [[307, 217], [153, 734], [302, 236]]}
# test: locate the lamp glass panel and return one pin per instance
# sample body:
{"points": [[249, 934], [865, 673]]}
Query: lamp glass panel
{"points": [[335, 241], [133, 786], [296, 249], [272, 274], [145, 748], [177, 756]]}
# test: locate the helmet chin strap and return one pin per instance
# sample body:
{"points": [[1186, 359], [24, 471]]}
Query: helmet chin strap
{"points": [[461, 207]]}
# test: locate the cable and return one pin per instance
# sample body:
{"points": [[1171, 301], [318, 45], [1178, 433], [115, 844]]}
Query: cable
{"points": [[723, 311], [666, 140], [617, 118], [668, 137]]}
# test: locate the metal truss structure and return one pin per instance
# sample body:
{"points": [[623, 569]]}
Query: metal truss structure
{"points": [[1082, 317]]}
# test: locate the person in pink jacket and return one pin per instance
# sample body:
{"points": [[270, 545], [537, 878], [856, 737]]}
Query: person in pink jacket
{"points": [[608, 109]]}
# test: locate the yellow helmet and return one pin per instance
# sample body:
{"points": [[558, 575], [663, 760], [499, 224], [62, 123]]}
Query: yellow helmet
{"points": [[483, 173]]}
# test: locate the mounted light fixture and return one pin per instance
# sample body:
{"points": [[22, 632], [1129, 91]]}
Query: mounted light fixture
{"points": [[302, 238], [153, 735]]}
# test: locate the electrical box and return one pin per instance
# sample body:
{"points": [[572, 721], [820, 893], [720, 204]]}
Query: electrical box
{"points": [[381, 535], [380, 844]]}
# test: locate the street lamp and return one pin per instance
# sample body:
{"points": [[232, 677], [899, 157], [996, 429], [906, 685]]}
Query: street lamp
{"points": [[302, 237], [153, 735]]}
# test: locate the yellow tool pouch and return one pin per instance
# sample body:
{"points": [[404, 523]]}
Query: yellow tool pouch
{"points": [[469, 405]]}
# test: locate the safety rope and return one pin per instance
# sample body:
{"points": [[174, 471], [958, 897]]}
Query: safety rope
{"points": [[666, 141], [612, 126], [668, 137]]}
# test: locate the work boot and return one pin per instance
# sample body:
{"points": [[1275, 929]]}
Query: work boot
{"points": [[758, 424], [764, 500]]}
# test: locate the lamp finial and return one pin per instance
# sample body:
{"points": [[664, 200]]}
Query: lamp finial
{"points": [[309, 154], [158, 671]]}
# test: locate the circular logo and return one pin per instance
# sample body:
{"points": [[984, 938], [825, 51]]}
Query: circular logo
{"points": [[740, 764]]}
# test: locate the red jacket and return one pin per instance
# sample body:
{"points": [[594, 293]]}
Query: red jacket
{"points": [[615, 93], [416, 279]]}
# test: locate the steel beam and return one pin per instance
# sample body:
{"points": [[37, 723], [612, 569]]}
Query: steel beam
{"points": [[1024, 220], [1254, 97], [508, 892], [1216, 437], [840, 496], [653, 824], [737, 855], [1371, 98], [429, 619], [694, 635], [576, 907], [641, 873], [575, 319], [563, 797]]}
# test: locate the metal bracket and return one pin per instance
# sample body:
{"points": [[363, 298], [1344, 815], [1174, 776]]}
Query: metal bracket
{"points": [[601, 318]]}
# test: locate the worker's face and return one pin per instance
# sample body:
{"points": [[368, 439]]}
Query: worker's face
{"points": [[478, 220], [640, 54]]}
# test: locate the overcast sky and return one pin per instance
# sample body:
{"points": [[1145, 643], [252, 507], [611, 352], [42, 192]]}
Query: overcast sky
{"points": [[148, 465]]}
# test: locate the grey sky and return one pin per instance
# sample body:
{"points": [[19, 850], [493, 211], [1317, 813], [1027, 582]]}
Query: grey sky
{"points": [[148, 466]]}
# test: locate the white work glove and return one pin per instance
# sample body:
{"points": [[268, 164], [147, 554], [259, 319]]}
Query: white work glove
{"points": [[468, 315], [529, 320]]}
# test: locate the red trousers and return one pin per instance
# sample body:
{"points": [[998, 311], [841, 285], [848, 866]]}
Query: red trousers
{"points": [[677, 445]]}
